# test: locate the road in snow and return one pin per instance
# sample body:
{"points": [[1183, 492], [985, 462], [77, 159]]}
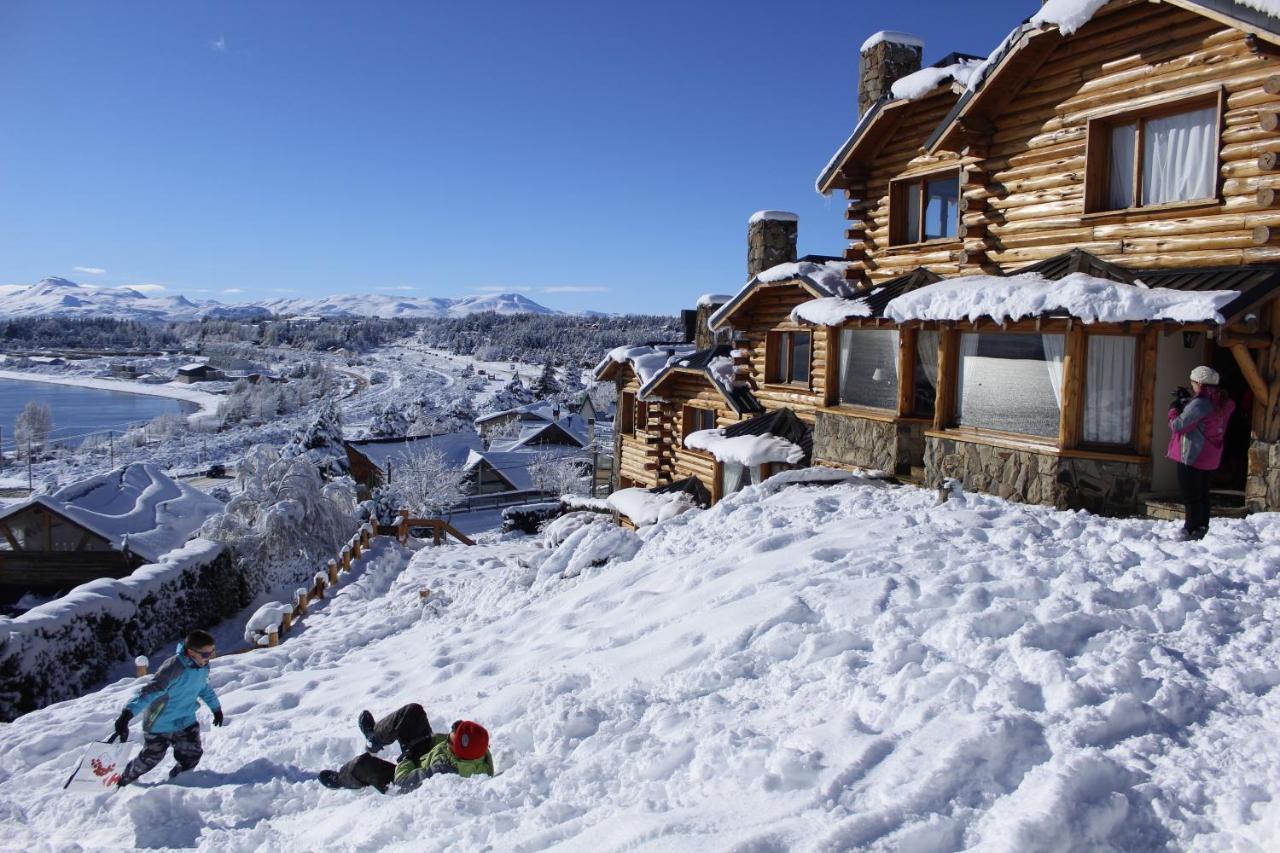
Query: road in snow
{"points": [[838, 668]]}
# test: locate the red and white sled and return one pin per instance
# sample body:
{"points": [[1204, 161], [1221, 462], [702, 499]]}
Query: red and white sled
{"points": [[100, 767]]}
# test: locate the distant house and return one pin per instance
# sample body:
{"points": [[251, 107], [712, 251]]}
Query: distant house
{"points": [[499, 471], [105, 526], [123, 370], [537, 423], [199, 372], [374, 460]]}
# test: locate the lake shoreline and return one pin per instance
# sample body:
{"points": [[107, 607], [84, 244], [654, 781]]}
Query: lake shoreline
{"points": [[206, 403]]}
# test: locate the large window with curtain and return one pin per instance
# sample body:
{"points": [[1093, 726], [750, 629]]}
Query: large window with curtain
{"points": [[1110, 378], [1010, 382], [1154, 157], [868, 368]]}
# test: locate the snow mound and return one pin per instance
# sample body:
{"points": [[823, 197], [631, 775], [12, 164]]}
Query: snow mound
{"points": [[745, 449], [829, 311], [845, 668], [644, 507], [590, 546]]}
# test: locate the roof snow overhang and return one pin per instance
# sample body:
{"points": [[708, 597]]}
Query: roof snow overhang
{"points": [[1014, 63], [811, 284], [698, 365]]}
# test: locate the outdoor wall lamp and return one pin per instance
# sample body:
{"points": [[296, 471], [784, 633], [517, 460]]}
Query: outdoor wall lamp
{"points": [[1190, 339]]}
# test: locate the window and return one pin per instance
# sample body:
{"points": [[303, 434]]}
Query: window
{"points": [[1108, 394], [869, 368], [627, 413], [1010, 382], [1153, 157], [696, 419], [925, 208], [735, 477], [789, 357], [926, 374]]}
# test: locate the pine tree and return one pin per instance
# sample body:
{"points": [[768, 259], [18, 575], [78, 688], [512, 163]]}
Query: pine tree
{"points": [[546, 386]]}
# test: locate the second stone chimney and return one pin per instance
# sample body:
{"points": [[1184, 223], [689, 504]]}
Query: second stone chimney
{"points": [[771, 240], [886, 57]]}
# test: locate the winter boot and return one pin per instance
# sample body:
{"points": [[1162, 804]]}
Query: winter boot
{"points": [[175, 770], [365, 722], [329, 778]]}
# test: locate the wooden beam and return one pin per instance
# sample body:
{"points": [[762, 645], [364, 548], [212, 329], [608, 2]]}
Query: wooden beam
{"points": [[8, 534], [1250, 370], [948, 359], [1073, 362], [1145, 386], [906, 371]]}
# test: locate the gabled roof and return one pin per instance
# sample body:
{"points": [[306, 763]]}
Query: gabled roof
{"points": [[715, 364], [529, 411], [1078, 260], [513, 468], [644, 359], [453, 446], [820, 275], [137, 504], [570, 430], [1012, 64], [878, 125]]}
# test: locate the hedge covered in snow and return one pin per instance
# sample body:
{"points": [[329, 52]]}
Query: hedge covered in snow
{"points": [[61, 649]]}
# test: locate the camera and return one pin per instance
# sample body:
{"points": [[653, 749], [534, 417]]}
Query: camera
{"points": [[1180, 397]]}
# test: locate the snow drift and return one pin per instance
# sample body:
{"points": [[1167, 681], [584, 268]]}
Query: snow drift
{"points": [[817, 668]]}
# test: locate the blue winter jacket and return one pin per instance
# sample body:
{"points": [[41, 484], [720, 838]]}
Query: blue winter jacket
{"points": [[169, 698]]}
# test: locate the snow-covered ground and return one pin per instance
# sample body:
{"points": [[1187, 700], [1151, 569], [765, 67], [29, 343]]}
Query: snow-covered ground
{"points": [[816, 668]]}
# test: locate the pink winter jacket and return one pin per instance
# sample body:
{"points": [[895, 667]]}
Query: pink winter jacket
{"points": [[1198, 432]]}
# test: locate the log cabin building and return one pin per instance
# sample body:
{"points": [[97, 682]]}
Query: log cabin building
{"points": [[1041, 246]]}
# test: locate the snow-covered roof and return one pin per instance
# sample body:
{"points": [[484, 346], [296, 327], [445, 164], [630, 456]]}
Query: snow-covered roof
{"points": [[571, 424], [454, 446], [646, 359], [745, 449], [892, 36], [709, 299], [139, 501], [920, 83], [773, 216], [195, 365], [716, 363], [829, 311], [1079, 295], [543, 409], [513, 466], [822, 277]]}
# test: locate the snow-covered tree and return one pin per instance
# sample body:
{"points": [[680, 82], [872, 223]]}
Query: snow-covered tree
{"points": [[546, 386], [510, 396], [389, 420], [428, 484], [571, 387], [285, 521], [559, 475], [320, 442], [603, 395], [32, 428]]}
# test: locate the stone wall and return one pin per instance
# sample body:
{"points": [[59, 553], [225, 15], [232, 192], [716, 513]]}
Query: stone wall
{"points": [[882, 64], [1262, 490], [860, 442], [1106, 487], [770, 242]]}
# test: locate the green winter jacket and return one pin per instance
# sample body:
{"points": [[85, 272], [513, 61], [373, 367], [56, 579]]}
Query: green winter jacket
{"points": [[439, 759]]}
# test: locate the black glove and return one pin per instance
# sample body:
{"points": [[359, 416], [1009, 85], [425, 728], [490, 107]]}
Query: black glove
{"points": [[122, 724], [1180, 398], [217, 717]]}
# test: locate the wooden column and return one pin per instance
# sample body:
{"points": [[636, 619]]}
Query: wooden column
{"points": [[1145, 388], [948, 361], [1257, 384], [906, 371], [1071, 419], [1268, 427], [831, 379]]}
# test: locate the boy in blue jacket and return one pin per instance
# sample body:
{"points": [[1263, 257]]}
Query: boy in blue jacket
{"points": [[169, 700]]}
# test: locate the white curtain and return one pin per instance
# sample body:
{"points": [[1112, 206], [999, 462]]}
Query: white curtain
{"points": [[968, 349], [1055, 349], [733, 477], [1108, 400], [927, 347], [1120, 166], [1177, 156]]}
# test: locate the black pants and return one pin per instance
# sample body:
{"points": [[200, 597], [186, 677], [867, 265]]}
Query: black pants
{"points": [[1194, 485], [406, 726], [186, 750]]}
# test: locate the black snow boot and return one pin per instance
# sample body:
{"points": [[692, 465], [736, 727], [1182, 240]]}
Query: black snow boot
{"points": [[366, 724], [175, 770], [329, 778]]}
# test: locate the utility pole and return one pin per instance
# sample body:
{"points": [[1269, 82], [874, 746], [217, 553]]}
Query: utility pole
{"points": [[111, 446], [30, 485], [1, 448]]}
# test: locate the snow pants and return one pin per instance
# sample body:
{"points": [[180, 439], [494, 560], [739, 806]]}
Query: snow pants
{"points": [[186, 750], [406, 726], [1194, 485]]}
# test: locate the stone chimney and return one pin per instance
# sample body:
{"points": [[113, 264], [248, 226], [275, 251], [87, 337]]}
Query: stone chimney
{"points": [[771, 240], [886, 57]]}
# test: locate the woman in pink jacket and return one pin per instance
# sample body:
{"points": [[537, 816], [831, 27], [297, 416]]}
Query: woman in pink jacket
{"points": [[1199, 423]]}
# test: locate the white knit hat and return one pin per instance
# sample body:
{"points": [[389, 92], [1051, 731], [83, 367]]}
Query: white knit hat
{"points": [[1205, 375]]}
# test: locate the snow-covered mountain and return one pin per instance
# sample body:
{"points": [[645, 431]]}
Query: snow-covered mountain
{"points": [[64, 298]]}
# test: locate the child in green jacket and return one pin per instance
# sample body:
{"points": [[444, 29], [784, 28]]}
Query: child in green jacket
{"points": [[465, 751]]}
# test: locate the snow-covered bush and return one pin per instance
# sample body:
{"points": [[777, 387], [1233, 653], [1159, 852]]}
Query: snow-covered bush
{"points": [[559, 475], [428, 484], [589, 546], [559, 529], [385, 504], [285, 520], [320, 442], [528, 518], [32, 427], [63, 648], [389, 420]]}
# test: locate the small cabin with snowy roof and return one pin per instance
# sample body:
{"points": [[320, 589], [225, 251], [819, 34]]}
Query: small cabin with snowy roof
{"points": [[104, 526], [374, 461]]}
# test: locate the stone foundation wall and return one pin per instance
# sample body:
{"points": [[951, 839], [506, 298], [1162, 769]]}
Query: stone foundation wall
{"points": [[1104, 487], [1262, 489], [851, 440]]}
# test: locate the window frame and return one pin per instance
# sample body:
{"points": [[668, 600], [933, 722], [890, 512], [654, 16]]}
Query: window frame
{"points": [[627, 414], [840, 350], [957, 398], [1131, 445], [1098, 149], [777, 340], [688, 419], [898, 206]]}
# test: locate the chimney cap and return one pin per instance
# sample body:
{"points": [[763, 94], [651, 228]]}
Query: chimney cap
{"points": [[892, 36], [773, 216]]}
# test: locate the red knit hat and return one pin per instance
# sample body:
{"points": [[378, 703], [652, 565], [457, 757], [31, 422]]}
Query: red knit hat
{"points": [[469, 741]]}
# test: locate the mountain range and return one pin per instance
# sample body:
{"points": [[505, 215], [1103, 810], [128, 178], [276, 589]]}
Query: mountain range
{"points": [[61, 297]]}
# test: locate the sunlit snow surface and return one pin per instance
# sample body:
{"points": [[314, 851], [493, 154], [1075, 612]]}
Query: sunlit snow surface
{"points": [[823, 668]]}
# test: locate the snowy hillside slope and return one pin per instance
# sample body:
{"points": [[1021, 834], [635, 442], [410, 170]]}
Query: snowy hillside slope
{"points": [[820, 668], [61, 297]]}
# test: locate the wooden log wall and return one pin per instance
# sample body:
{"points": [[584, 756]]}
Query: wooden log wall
{"points": [[638, 457], [770, 310]]}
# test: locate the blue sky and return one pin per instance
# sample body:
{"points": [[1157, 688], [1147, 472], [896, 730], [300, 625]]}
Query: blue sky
{"points": [[587, 154]]}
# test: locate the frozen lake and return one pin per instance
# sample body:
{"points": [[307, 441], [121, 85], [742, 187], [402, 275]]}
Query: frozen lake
{"points": [[79, 411]]}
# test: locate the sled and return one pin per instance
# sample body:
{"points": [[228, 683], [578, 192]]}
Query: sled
{"points": [[100, 767]]}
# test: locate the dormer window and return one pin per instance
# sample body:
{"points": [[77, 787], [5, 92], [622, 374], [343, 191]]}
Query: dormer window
{"points": [[788, 358], [924, 208], [1162, 156]]}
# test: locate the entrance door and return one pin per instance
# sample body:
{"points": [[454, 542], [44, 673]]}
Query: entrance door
{"points": [[1234, 471]]}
